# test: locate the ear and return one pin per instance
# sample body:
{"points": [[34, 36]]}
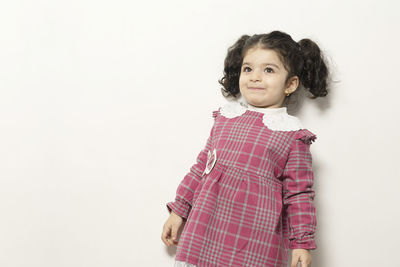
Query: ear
{"points": [[292, 84]]}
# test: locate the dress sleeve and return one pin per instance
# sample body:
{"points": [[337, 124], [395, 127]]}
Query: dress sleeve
{"points": [[299, 217], [185, 191]]}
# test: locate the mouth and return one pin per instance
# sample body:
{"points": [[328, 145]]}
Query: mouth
{"points": [[255, 88]]}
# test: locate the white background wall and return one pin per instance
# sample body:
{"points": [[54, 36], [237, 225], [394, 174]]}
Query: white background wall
{"points": [[104, 106]]}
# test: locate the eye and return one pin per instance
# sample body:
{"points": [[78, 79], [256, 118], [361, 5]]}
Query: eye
{"points": [[270, 70], [244, 69]]}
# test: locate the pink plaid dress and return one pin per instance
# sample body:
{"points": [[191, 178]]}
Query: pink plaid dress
{"points": [[248, 199]]}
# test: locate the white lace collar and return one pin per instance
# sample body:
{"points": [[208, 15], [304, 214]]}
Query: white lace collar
{"points": [[274, 118]]}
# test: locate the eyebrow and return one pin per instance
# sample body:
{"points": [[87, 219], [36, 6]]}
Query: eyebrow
{"points": [[246, 63]]}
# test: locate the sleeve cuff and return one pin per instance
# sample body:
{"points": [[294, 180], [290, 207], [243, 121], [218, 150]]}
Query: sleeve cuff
{"points": [[309, 244], [180, 207]]}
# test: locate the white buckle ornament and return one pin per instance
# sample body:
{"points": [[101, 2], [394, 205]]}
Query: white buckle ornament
{"points": [[211, 159]]}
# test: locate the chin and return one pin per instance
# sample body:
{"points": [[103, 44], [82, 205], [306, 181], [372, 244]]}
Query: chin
{"points": [[253, 101]]}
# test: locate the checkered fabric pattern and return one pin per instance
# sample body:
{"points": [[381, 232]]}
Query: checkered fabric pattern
{"points": [[255, 203]]}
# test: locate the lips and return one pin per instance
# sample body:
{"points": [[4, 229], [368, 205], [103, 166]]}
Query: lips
{"points": [[256, 88]]}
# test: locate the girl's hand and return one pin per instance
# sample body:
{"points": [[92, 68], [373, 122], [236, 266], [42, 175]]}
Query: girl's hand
{"points": [[171, 228], [301, 255]]}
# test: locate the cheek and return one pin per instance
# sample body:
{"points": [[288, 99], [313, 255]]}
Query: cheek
{"points": [[274, 84], [242, 81]]}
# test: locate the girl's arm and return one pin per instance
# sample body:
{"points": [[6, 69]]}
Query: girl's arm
{"points": [[185, 191], [298, 178]]}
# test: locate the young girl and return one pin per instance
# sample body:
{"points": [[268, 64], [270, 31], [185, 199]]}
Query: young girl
{"points": [[249, 198]]}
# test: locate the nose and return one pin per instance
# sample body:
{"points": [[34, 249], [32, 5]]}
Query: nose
{"points": [[255, 76]]}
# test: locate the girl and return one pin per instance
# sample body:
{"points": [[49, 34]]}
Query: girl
{"points": [[249, 197]]}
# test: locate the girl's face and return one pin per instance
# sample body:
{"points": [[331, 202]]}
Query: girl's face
{"points": [[262, 79]]}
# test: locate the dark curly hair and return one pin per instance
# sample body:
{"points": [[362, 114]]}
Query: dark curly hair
{"points": [[303, 59]]}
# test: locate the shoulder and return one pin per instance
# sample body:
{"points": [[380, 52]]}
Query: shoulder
{"points": [[232, 109], [282, 122]]}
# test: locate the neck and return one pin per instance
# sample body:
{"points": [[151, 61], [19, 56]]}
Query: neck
{"points": [[244, 103]]}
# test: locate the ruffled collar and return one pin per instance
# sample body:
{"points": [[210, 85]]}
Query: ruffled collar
{"points": [[274, 118]]}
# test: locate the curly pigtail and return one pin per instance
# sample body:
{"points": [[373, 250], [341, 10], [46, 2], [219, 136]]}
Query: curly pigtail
{"points": [[232, 66], [315, 72]]}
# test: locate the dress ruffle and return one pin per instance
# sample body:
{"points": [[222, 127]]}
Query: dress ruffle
{"points": [[306, 136]]}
